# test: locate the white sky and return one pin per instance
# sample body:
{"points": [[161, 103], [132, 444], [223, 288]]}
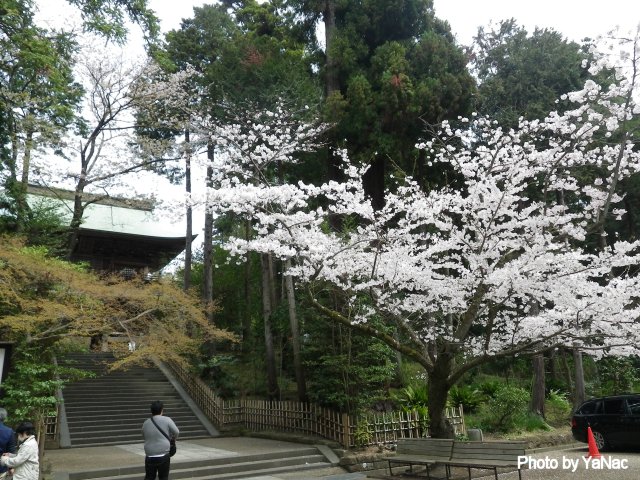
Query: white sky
{"points": [[575, 19]]}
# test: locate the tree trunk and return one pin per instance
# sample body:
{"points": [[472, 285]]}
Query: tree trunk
{"points": [[331, 74], [207, 293], [246, 318], [538, 387], [295, 336], [566, 370], [438, 389], [22, 207], [186, 285], [76, 218], [373, 182], [273, 390], [579, 395]]}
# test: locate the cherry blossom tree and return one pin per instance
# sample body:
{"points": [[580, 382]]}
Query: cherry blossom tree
{"points": [[498, 266], [254, 149]]}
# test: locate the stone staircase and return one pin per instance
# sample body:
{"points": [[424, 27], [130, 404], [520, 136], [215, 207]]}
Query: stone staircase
{"points": [[110, 408], [107, 412]]}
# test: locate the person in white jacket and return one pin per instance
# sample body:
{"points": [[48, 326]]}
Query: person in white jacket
{"points": [[25, 463]]}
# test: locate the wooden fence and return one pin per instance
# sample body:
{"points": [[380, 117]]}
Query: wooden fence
{"points": [[307, 418]]}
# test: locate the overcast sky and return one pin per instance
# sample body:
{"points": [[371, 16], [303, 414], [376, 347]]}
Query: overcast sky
{"points": [[575, 19]]}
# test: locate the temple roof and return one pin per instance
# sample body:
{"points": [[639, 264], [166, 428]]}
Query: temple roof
{"points": [[116, 233], [108, 214]]}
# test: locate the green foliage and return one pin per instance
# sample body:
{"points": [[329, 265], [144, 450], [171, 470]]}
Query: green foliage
{"points": [[346, 371], [523, 74], [221, 379], [30, 389], [617, 375], [413, 398], [530, 422], [109, 17], [505, 410], [557, 408], [466, 396], [362, 435], [489, 388]]}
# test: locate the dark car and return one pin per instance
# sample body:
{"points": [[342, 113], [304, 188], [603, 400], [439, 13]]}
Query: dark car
{"points": [[614, 421]]}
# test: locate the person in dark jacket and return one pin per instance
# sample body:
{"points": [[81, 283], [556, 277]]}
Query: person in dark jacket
{"points": [[7, 438], [156, 446]]}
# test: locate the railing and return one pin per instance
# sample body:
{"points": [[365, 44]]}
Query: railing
{"points": [[307, 418], [51, 427]]}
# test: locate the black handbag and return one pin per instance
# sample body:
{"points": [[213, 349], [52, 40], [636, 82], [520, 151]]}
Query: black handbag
{"points": [[172, 441]]}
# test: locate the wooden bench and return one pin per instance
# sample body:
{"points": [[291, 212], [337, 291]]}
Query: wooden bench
{"points": [[421, 451], [485, 455]]}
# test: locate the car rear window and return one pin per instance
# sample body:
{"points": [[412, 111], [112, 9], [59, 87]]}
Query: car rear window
{"points": [[614, 406], [589, 408], [634, 405]]}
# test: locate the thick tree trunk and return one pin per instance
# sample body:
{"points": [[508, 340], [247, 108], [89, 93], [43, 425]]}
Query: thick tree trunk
{"points": [[189, 233], [579, 394], [538, 387], [273, 390], [295, 336], [438, 389]]}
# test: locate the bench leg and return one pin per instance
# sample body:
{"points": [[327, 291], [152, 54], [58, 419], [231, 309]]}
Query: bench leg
{"points": [[519, 474], [495, 472], [428, 473], [469, 471]]}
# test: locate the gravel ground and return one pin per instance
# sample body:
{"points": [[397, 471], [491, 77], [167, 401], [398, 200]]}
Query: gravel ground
{"points": [[572, 465], [549, 465]]}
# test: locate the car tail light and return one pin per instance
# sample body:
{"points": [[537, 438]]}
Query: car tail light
{"points": [[574, 424]]}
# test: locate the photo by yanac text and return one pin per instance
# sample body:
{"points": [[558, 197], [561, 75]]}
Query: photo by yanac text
{"points": [[573, 464]]}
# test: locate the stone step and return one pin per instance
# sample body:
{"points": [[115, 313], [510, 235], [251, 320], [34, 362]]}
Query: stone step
{"points": [[228, 467], [125, 418], [120, 437], [109, 409]]}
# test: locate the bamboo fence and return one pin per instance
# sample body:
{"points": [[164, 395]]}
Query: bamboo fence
{"points": [[309, 419]]}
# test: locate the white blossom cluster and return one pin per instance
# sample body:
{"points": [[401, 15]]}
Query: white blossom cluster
{"points": [[501, 264]]}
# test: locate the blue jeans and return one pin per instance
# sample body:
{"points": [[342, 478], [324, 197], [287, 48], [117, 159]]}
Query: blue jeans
{"points": [[157, 466]]}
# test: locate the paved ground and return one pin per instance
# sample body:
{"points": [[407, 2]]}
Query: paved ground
{"points": [[95, 458], [553, 465]]}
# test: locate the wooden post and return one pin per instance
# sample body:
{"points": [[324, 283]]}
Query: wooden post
{"points": [[346, 434]]}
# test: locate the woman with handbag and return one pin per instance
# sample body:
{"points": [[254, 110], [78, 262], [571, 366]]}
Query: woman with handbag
{"points": [[158, 431], [25, 463]]}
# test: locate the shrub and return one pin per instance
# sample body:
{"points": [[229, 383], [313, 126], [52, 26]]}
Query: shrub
{"points": [[502, 412], [467, 397], [558, 408], [530, 422], [412, 398], [489, 388]]}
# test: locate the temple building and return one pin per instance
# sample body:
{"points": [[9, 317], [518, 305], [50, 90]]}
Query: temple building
{"points": [[116, 235]]}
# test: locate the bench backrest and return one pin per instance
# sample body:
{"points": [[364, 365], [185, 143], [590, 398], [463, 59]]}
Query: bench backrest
{"points": [[492, 451], [435, 448]]}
